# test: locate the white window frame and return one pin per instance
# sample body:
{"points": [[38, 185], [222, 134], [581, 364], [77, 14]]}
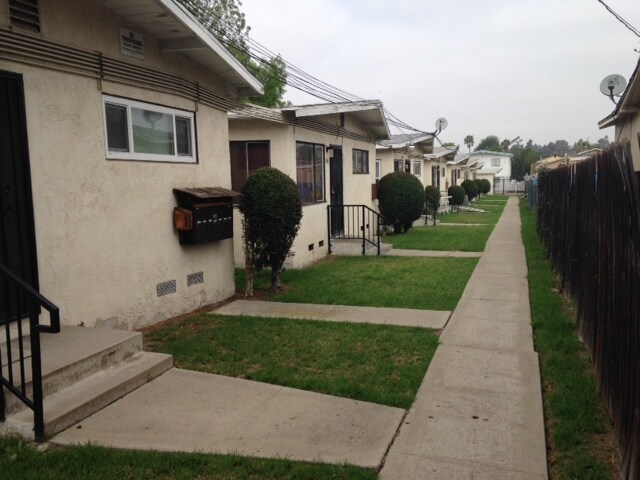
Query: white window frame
{"points": [[378, 169], [149, 157], [495, 162], [417, 168], [363, 167]]}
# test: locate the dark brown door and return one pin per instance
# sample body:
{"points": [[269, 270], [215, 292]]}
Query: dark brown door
{"points": [[336, 185], [17, 231]]}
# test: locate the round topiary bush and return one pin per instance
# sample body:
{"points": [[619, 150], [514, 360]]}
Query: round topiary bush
{"points": [[432, 199], [478, 182], [470, 189], [486, 186], [272, 211], [401, 200], [456, 192]]}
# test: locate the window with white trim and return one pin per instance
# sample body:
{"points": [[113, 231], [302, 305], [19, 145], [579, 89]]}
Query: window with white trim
{"points": [[360, 161], [378, 169], [310, 172], [417, 167], [402, 166], [142, 131], [495, 162]]}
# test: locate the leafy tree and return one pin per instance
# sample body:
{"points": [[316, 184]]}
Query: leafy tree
{"points": [[457, 193], [227, 22], [401, 199], [522, 160], [469, 141], [486, 186], [479, 185], [581, 145], [603, 142], [505, 144], [490, 144], [470, 188], [271, 210]]}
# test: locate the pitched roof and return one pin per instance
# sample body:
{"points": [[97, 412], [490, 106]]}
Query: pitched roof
{"points": [[628, 104], [406, 139], [179, 31]]}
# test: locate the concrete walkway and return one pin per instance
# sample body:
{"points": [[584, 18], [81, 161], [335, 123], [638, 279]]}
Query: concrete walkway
{"points": [[399, 252], [405, 317], [478, 413]]}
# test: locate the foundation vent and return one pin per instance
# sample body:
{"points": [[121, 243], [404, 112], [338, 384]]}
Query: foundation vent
{"points": [[195, 278], [165, 288], [25, 14]]}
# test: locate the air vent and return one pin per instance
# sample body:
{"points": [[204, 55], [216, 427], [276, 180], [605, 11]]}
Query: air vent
{"points": [[25, 14], [165, 288], [195, 278]]}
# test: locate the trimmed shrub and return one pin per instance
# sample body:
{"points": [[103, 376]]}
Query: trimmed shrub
{"points": [[432, 199], [272, 211], [470, 188], [486, 186], [478, 182], [457, 193], [401, 200]]}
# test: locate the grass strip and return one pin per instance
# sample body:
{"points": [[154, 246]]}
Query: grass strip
{"points": [[19, 460], [373, 363], [578, 431], [395, 282], [442, 237]]}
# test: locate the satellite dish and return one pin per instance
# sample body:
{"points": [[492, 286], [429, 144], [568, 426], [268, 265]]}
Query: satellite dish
{"points": [[441, 124], [613, 85]]}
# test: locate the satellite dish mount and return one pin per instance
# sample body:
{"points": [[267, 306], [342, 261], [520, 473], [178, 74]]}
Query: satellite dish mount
{"points": [[441, 124], [612, 86]]}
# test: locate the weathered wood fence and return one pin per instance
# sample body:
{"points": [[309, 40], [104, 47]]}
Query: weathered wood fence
{"points": [[589, 220]]}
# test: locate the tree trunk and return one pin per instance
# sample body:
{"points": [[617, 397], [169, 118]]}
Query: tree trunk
{"points": [[276, 286]]}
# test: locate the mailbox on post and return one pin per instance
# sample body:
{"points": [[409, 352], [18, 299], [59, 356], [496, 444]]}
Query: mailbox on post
{"points": [[203, 214]]}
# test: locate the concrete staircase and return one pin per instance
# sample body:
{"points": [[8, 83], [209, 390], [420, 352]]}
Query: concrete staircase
{"points": [[84, 370]]}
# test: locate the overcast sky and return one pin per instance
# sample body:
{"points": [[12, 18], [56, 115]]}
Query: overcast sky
{"points": [[529, 68]]}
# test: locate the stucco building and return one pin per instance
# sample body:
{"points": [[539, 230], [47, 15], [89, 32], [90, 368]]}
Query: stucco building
{"points": [[106, 107]]}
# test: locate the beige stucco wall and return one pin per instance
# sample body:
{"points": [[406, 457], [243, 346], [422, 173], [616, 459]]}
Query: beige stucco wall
{"points": [[629, 130], [313, 229], [104, 229]]}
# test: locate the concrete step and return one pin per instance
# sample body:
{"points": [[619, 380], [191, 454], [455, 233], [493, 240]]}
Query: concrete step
{"points": [[94, 392], [354, 247], [72, 355]]}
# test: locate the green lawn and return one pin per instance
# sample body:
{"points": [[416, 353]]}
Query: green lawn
{"points": [[579, 432], [442, 237], [19, 460], [491, 216], [374, 363], [400, 282]]}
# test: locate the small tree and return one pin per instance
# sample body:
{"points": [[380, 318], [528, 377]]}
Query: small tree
{"points": [[401, 200], [456, 192], [470, 189], [432, 201], [486, 186], [478, 182], [272, 211]]}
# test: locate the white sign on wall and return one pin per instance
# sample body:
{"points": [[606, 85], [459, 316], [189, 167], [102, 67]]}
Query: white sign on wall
{"points": [[131, 43]]}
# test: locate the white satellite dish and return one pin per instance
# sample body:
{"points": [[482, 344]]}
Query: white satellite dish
{"points": [[441, 124], [613, 85]]}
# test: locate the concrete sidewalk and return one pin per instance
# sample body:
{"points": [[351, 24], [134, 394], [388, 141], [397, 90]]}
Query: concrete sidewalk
{"points": [[399, 252], [478, 413], [405, 317]]}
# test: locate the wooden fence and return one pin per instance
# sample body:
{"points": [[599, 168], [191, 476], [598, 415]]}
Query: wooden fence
{"points": [[589, 220]]}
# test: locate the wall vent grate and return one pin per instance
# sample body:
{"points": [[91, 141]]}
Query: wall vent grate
{"points": [[25, 14], [165, 288], [195, 278]]}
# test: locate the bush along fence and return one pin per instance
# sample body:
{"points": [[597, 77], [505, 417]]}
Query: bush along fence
{"points": [[589, 221]]}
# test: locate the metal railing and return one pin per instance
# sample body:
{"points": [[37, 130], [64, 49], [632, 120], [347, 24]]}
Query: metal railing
{"points": [[20, 301], [355, 222]]}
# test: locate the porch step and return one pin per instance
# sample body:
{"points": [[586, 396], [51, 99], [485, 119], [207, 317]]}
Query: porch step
{"points": [[72, 355], [85, 397]]}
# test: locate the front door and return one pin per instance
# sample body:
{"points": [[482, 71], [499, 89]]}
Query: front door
{"points": [[336, 185], [17, 231]]}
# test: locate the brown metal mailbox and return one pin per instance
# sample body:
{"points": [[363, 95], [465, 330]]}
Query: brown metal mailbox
{"points": [[203, 214]]}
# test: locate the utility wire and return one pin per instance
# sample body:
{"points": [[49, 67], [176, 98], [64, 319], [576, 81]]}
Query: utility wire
{"points": [[620, 19]]}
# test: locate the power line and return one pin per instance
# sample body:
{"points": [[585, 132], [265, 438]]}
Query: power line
{"points": [[620, 19]]}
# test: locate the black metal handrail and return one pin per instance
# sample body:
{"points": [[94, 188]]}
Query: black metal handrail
{"points": [[19, 301], [355, 222]]}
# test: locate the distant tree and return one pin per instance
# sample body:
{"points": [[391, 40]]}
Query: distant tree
{"points": [[469, 141], [521, 162], [490, 143], [227, 22], [581, 145], [470, 188], [505, 144], [449, 145], [603, 142]]}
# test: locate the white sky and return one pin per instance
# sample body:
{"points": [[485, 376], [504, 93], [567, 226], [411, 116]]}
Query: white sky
{"points": [[496, 67]]}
